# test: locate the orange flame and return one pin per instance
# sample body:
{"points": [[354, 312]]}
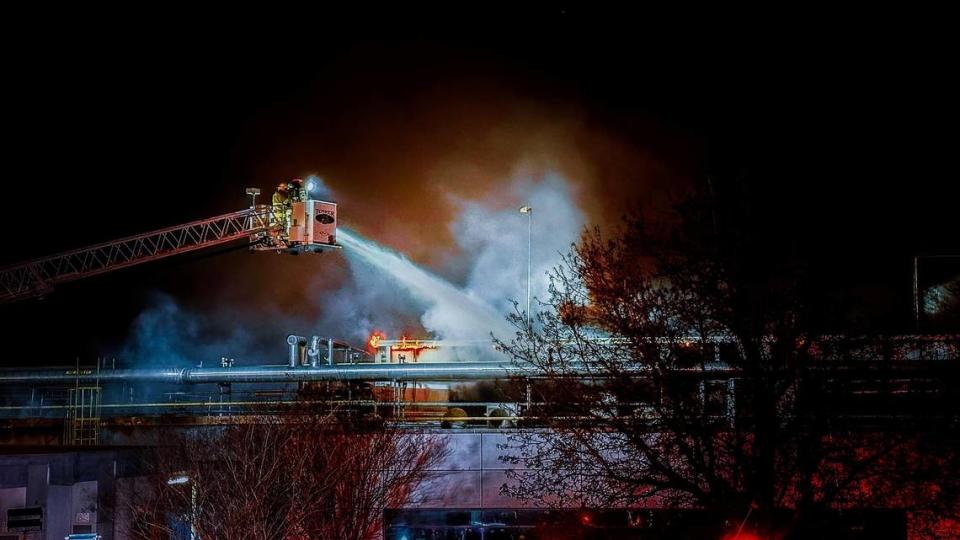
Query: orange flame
{"points": [[415, 346], [374, 341]]}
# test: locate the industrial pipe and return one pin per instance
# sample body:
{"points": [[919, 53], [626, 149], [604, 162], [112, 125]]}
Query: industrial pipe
{"points": [[294, 343], [313, 351], [439, 372]]}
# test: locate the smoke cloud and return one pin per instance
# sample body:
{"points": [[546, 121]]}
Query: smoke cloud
{"points": [[467, 297], [167, 334], [450, 312], [428, 152], [492, 242], [494, 239]]}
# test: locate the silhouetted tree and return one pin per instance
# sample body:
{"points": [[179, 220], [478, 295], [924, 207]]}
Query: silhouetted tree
{"points": [[280, 477], [694, 365]]}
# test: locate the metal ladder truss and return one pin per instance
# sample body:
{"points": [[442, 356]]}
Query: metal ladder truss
{"points": [[37, 277]]}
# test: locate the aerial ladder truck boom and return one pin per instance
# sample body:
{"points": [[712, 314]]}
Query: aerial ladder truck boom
{"points": [[312, 230]]}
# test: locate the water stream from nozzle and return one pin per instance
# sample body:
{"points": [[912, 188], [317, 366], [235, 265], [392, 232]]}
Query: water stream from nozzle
{"points": [[452, 313]]}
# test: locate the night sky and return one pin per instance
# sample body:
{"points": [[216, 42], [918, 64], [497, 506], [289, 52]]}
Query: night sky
{"points": [[845, 131]]}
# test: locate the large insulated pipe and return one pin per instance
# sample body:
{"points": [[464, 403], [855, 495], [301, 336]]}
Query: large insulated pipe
{"points": [[294, 343], [87, 375], [440, 372], [264, 374]]}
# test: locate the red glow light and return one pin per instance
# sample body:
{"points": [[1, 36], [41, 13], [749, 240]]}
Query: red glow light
{"points": [[743, 535]]}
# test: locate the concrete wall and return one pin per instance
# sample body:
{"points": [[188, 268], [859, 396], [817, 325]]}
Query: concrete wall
{"points": [[66, 485], [58, 512]]}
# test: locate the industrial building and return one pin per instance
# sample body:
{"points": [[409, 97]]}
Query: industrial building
{"points": [[70, 434]]}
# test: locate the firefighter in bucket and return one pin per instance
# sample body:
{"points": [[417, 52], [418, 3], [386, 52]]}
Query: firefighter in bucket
{"points": [[281, 208]]}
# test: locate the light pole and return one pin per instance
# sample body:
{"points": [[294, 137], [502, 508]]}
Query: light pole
{"points": [[528, 210], [253, 192], [184, 478]]}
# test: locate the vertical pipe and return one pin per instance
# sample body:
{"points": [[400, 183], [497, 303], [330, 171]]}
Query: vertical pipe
{"points": [[313, 352], [294, 342], [292, 350], [529, 258], [916, 292], [330, 351]]}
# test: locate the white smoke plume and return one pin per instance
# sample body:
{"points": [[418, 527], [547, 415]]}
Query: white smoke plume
{"points": [[492, 236], [384, 290], [495, 240], [451, 313]]}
